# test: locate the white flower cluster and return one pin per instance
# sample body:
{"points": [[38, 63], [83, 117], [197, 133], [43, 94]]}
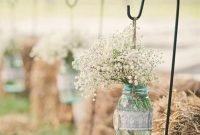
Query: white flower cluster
{"points": [[76, 39], [114, 60], [50, 48], [8, 45], [55, 47], [4, 43]]}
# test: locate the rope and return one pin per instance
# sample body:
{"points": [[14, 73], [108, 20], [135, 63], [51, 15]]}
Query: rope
{"points": [[71, 5], [12, 4], [101, 19], [172, 69], [134, 20], [34, 13], [134, 33]]}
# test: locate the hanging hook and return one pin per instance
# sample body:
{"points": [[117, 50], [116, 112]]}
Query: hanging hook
{"points": [[140, 12], [71, 5], [12, 2], [35, 16]]}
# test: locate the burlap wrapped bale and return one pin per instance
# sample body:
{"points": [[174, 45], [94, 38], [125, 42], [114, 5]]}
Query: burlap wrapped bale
{"points": [[45, 104], [98, 115], [27, 44]]}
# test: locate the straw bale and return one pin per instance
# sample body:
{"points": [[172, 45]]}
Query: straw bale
{"points": [[185, 115]]}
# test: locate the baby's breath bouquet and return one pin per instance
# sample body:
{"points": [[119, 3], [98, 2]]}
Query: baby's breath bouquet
{"points": [[8, 45], [62, 48], [4, 43], [117, 60], [113, 61], [58, 46], [10, 50], [12, 70], [50, 48]]}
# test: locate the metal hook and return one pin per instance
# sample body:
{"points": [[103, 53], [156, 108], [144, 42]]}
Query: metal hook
{"points": [[140, 12], [12, 2], [71, 5]]}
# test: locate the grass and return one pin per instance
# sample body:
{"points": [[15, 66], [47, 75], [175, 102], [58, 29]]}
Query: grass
{"points": [[65, 129], [10, 104]]}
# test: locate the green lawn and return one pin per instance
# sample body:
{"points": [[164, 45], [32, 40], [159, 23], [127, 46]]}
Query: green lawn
{"points": [[14, 105], [10, 104], [62, 130]]}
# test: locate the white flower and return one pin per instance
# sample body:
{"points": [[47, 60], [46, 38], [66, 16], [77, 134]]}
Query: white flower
{"points": [[135, 77], [129, 77], [56, 46], [132, 67], [8, 44], [136, 83], [130, 81], [113, 60], [4, 44]]}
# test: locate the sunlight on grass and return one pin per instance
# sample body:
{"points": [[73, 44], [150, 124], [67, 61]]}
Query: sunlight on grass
{"points": [[10, 104], [65, 129]]}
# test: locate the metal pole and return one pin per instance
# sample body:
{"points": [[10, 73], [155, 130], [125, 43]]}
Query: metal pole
{"points": [[172, 69]]}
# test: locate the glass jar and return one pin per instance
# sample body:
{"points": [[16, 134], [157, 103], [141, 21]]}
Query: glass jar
{"points": [[133, 114], [13, 74], [65, 81]]}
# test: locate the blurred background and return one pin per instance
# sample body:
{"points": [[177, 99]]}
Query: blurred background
{"points": [[37, 98]]}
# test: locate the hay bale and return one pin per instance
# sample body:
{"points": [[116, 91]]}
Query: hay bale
{"points": [[102, 124], [27, 44], [98, 116], [44, 95], [181, 83], [188, 85], [45, 104], [185, 115]]}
